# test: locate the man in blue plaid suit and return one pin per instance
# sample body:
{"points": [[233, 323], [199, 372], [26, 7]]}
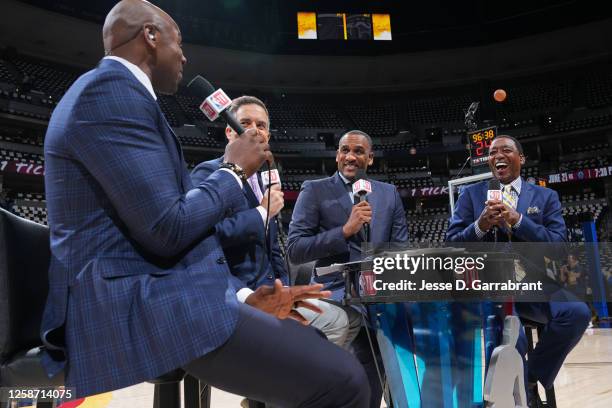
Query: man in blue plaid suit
{"points": [[139, 284]]}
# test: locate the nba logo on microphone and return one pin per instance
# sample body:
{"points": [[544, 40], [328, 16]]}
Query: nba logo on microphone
{"points": [[270, 177], [220, 100], [494, 195], [362, 185], [366, 283], [215, 104]]}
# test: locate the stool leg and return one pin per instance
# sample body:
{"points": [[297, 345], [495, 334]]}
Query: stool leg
{"points": [[529, 335], [167, 395], [191, 392], [204, 395]]}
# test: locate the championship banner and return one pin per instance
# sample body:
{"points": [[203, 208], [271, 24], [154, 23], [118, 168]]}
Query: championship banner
{"points": [[12, 166]]}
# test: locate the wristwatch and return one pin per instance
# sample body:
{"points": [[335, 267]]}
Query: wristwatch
{"points": [[236, 169]]}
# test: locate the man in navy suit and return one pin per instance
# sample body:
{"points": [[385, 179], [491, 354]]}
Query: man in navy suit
{"points": [[253, 255], [474, 219], [327, 227], [139, 284], [243, 238]]}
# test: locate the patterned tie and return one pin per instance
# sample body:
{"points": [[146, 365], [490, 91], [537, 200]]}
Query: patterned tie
{"points": [[254, 183], [509, 197]]}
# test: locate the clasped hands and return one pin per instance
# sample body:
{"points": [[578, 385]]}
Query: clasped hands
{"points": [[497, 214], [281, 301]]}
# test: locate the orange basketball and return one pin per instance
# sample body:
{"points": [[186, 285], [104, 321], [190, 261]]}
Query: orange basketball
{"points": [[499, 95]]}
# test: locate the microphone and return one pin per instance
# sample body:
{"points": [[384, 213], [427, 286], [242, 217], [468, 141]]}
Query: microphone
{"points": [[494, 193], [494, 190], [215, 102], [270, 177], [361, 189]]}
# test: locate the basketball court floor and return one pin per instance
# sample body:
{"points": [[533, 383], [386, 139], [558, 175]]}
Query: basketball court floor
{"points": [[584, 381]]}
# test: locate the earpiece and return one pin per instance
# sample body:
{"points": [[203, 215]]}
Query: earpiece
{"points": [[151, 36]]}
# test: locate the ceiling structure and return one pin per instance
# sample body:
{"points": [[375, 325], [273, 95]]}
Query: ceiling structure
{"points": [[253, 43]]}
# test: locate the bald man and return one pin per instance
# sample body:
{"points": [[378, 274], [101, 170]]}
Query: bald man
{"points": [[139, 285]]}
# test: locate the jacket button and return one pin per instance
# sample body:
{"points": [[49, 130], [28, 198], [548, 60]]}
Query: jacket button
{"points": [[221, 260]]}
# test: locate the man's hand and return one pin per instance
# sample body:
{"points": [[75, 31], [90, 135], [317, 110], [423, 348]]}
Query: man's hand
{"points": [[360, 214], [248, 151], [277, 202], [491, 215], [280, 301], [510, 215]]}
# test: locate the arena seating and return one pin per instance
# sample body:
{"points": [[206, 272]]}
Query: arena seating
{"points": [[427, 225], [438, 109], [591, 163], [536, 96], [304, 116], [5, 74], [598, 86], [374, 120], [49, 78], [21, 156]]}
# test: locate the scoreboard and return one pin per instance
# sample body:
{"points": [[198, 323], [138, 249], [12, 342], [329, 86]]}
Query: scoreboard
{"points": [[480, 140]]}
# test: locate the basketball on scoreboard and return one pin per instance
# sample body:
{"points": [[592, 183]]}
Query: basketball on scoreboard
{"points": [[480, 140]]}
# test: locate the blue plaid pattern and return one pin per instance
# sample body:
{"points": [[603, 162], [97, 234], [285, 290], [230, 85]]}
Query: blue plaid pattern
{"points": [[138, 282]]}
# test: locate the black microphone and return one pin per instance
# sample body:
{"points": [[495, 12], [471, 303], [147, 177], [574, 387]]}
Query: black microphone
{"points": [[268, 179], [361, 189], [494, 193], [215, 102]]}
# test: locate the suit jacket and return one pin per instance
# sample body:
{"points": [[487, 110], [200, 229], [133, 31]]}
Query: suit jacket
{"points": [[544, 225], [243, 237], [322, 208], [138, 281]]}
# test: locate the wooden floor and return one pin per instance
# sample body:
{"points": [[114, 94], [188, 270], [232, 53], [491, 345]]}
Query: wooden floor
{"points": [[585, 381]]}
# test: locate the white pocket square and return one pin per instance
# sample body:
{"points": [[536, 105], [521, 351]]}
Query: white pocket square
{"points": [[533, 210]]}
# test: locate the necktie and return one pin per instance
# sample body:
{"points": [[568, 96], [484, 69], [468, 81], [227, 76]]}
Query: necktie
{"points": [[254, 183], [509, 196]]}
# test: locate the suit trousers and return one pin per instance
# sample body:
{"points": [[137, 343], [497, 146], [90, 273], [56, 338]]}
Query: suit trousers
{"points": [[283, 363], [565, 323], [341, 324]]}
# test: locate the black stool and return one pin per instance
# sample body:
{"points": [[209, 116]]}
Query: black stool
{"points": [[24, 284], [529, 326]]}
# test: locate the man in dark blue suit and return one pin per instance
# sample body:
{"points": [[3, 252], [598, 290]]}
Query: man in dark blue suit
{"points": [[253, 255], [327, 227], [243, 238], [528, 213], [139, 285]]}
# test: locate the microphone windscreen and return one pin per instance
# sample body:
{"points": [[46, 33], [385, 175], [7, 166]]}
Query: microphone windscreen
{"points": [[200, 87], [494, 184]]}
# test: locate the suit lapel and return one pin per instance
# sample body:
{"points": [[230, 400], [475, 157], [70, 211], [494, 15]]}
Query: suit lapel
{"points": [[339, 190]]}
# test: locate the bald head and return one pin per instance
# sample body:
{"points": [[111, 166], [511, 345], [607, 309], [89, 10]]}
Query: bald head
{"points": [[148, 37], [124, 22]]}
